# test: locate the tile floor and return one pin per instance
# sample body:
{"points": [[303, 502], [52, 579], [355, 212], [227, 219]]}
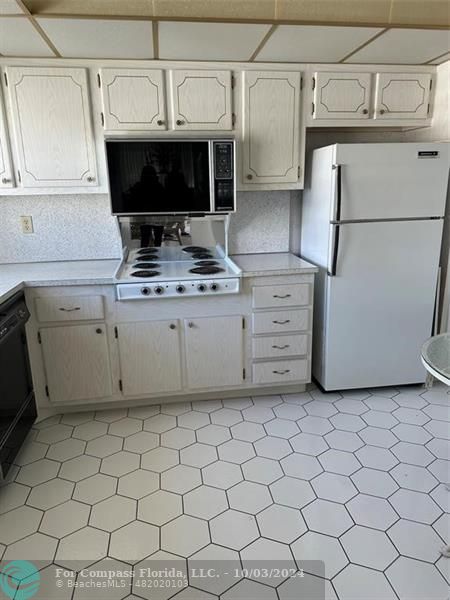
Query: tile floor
{"points": [[357, 480]]}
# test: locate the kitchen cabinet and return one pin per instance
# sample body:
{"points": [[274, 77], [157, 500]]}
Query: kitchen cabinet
{"points": [[214, 352], [76, 362], [52, 126], [133, 99], [402, 95], [341, 95], [6, 173], [201, 100], [150, 357], [271, 127]]}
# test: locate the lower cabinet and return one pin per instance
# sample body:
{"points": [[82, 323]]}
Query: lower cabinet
{"points": [[150, 357], [76, 360]]}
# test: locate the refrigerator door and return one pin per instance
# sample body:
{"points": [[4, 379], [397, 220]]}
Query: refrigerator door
{"points": [[378, 309], [391, 181]]}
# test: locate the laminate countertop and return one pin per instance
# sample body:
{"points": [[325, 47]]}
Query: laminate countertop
{"points": [[279, 263]]}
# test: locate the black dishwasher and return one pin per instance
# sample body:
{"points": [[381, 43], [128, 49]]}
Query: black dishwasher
{"points": [[17, 403]]}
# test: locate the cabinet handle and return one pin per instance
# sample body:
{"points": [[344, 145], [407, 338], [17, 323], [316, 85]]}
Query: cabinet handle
{"points": [[281, 297], [6, 180], [282, 372], [365, 111], [99, 330], [159, 122], [249, 176], [172, 326], [282, 322], [180, 122], [190, 324], [70, 309], [382, 111], [280, 347], [91, 179]]}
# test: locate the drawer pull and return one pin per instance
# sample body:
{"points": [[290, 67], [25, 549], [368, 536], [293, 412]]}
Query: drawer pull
{"points": [[70, 309], [282, 322], [282, 297], [282, 372], [280, 347]]}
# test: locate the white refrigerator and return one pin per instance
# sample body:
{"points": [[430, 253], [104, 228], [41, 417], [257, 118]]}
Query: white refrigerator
{"points": [[372, 221]]}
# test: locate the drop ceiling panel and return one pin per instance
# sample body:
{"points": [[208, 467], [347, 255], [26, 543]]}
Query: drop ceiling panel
{"points": [[338, 11], [425, 12], [10, 7], [404, 46], [218, 9], [142, 8], [96, 38], [209, 41], [306, 43], [18, 37]]}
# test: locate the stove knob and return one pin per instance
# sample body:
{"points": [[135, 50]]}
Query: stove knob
{"points": [[201, 287], [180, 289], [145, 291], [214, 287], [159, 290]]}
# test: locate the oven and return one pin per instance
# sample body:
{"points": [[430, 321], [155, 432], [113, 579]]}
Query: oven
{"points": [[17, 402]]}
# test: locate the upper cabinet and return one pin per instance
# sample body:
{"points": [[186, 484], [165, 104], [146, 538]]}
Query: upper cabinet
{"points": [[271, 132], [52, 124], [6, 173], [341, 95], [402, 95], [201, 100], [133, 99]]}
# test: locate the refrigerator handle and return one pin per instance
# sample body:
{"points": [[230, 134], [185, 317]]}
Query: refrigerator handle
{"points": [[335, 251], [338, 188]]}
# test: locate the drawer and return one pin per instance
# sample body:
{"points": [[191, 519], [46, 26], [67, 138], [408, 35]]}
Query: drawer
{"points": [[281, 321], [69, 308], [279, 346], [280, 371], [279, 296]]}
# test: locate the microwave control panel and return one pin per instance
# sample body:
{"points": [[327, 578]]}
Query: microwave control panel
{"points": [[224, 176]]}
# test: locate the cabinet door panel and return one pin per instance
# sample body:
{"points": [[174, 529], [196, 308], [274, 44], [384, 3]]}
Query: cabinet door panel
{"points": [[402, 95], [201, 100], [52, 125], [76, 362], [6, 176], [271, 127], [149, 357], [341, 95], [133, 99], [214, 352]]}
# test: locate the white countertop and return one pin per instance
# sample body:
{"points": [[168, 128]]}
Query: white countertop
{"points": [[281, 263]]}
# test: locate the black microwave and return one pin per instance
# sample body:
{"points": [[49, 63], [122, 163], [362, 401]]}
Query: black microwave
{"points": [[171, 176]]}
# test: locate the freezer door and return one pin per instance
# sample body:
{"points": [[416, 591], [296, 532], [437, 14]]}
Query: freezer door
{"points": [[392, 181], [378, 309]]}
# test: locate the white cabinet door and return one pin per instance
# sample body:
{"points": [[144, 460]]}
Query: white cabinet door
{"points": [[133, 99], [52, 124], [214, 351], [402, 95], [201, 100], [341, 95], [76, 360], [271, 127], [150, 358], [6, 174]]}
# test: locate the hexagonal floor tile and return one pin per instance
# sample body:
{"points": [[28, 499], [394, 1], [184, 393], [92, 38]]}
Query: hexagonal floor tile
{"points": [[82, 548], [272, 447], [262, 470], [413, 416], [193, 420], [12, 496], [372, 511], [381, 403], [413, 454], [113, 513], [313, 551], [225, 563], [378, 418], [316, 425], [141, 442], [184, 535], [413, 433], [258, 414], [180, 479], [226, 417], [65, 518], [36, 547], [95, 489], [144, 412], [50, 494], [177, 438], [346, 422], [409, 400], [78, 418], [327, 517], [415, 579], [374, 483], [282, 428], [38, 472], [160, 507], [331, 486], [233, 529], [213, 434], [80, 468], [111, 415], [19, 523], [351, 406], [138, 484], [247, 431], [134, 542], [415, 506], [263, 553], [363, 584], [301, 466], [160, 423], [159, 562], [176, 408], [89, 431], [439, 429], [249, 497], [207, 406], [368, 548], [104, 446], [440, 469], [344, 440], [236, 451], [237, 403], [338, 461], [53, 434], [102, 568], [292, 492], [440, 413], [441, 496], [281, 523], [30, 452], [250, 589], [222, 474], [120, 464], [318, 408], [414, 478], [308, 443], [205, 502], [376, 458], [159, 459], [267, 401], [125, 427], [290, 412], [198, 455], [66, 449], [439, 448], [416, 540]]}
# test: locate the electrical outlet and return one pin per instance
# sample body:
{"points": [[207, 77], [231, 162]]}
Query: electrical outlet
{"points": [[27, 224]]}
